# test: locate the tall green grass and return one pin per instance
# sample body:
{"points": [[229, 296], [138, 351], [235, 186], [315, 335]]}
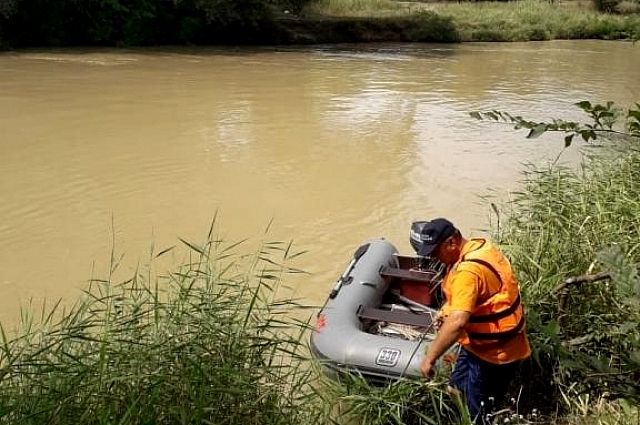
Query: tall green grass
{"points": [[354, 7], [568, 223], [402, 402], [208, 343], [535, 20], [497, 21], [587, 410]]}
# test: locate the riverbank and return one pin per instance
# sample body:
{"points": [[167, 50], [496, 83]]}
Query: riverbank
{"points": [[209, 343], [28, 23], [527, 20]]}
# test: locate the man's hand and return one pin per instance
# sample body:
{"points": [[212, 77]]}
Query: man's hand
{"points": [[449, 332], [439, 320], [426, 367]]}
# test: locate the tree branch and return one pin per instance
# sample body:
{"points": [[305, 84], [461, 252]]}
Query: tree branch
{"points": [[563, 290]]}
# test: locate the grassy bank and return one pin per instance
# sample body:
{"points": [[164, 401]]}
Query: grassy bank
{"points": [[158, 22], [567, 223], [536, 20], [499, 21]]}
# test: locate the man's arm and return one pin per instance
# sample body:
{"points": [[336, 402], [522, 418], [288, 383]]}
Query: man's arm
{"points": [[449, 333]]}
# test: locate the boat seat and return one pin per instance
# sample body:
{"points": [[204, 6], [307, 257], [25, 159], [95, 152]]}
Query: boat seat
{"points": [[395, 316], [406, 261], [408, 274]]}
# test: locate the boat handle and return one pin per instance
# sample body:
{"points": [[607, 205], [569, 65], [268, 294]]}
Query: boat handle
{"points": [[345, 279], [342, 279]]}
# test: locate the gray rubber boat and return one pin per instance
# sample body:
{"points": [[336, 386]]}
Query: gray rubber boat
{"points": [[366, 297]]}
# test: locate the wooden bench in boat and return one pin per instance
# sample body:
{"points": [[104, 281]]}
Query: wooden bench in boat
{"points": [[408, 274], [395, 316], [417, 285], [407, 277]]}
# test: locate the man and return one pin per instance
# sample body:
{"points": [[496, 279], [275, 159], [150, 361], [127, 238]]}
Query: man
{"points": [[482, 312]]}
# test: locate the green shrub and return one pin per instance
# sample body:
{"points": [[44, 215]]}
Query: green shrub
{"points": [[536, 33], [608, 6], [566, 223], [563, 223], [569, 223], [429, 26], [373, 8], [628, 6], [136, 22], [534, 20], [403, 402]]}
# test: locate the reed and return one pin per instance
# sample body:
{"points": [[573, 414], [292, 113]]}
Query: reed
{"points": [[407, 401], [568, 223], [208, 343], [586, 410]]}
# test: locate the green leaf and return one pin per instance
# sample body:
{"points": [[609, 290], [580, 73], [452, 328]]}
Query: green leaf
{"points": [[552, 328], [537, 131], [634, 114], [584, 105], [491, 115], [164, 251], [568, 139], [193, 246], [588, 134]]}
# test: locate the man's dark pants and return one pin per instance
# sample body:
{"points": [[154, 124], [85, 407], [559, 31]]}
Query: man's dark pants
{"points": [[482, 384]]}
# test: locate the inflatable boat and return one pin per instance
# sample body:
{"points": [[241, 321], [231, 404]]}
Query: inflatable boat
{"points": [[379, 318]]}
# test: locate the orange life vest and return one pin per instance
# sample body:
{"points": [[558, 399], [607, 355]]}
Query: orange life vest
{"points": [[500, 315]]}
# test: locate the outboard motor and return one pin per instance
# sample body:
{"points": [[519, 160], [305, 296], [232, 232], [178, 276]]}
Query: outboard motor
{"points": [[416, 237], [425, 236], [418, 241], [422, 240]]}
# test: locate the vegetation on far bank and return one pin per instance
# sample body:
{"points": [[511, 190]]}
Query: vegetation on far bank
{"points": [[537, 20], [504, 21], [26, 23], [211, 343]]}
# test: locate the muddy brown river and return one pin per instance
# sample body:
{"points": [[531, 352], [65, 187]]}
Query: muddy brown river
{"points": [[335, 144]]}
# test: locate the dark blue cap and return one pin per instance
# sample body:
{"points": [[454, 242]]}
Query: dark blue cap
{"points": [[425, 236]]}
